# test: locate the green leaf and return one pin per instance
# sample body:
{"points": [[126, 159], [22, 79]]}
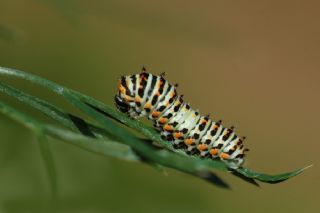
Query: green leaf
{"points": [[270, 178], [66, 119], [101, 113], [47, 156], [44, 146], [99, 146]]}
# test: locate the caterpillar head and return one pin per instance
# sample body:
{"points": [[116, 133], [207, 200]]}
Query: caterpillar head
{"points": [[121, 104]]}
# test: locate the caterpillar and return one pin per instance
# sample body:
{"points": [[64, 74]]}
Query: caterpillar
{"points": [[145, 94]]}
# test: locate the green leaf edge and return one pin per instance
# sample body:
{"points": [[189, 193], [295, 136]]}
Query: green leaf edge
{"points": [[98, 146]]}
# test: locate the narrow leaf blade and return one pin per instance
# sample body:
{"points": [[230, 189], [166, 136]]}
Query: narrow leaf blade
{"points": [[48, 159], [270, 178], [100, 146]]}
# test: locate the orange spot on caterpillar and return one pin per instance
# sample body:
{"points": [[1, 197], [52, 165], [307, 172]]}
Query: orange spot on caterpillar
{"points": [[178, 135], [215, 126], [202, 147], [189, 141], [137, 99], [155, 114], [147, 105], [168, 127], [128, 98], [214, 151], [121, 88], [162, 120], [224, 156]]}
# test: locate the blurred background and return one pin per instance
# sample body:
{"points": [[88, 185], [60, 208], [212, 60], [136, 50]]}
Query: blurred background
{"points": [[253, 64]]}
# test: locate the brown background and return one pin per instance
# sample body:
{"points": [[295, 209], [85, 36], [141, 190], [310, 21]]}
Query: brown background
{"points": [[253, 64]]}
